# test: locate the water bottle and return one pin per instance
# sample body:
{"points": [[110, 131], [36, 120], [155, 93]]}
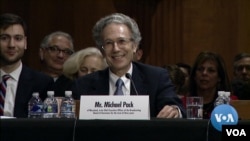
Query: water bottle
{"points": [[223, 98], [35, 106], [227, 96], [68, 106], [50, 106]]}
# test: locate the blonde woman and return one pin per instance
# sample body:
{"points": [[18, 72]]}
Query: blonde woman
{"points": [[84, 62]]}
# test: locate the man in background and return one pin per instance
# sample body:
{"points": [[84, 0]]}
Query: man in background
{"points": [[55, 49], [241, 80]]}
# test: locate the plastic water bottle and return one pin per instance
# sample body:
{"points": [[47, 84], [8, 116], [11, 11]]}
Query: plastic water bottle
{"points": [[228, 99], [68, 106], [35, 106], [50, 106], [223, 98]]}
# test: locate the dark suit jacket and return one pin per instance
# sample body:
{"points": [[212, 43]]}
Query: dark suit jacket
{"points": [[30, 81], [149, 80], [61, 85]]}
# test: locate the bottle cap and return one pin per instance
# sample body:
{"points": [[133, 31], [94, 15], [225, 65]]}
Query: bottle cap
{"points": [[220, 93], [68, 93], [35, 94], [50, 93], [227, 94]]}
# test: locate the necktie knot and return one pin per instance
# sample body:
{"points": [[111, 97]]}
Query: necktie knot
{"points": [[5, 77], [119, 83]]}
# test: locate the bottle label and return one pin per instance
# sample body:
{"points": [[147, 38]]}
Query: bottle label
{"points": [[51, 109], [67, 108], [36, 108]]}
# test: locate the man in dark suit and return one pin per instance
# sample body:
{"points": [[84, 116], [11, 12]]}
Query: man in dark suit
{"points": [[55, 49], [22, 81], [241, 81], [119, 36]]}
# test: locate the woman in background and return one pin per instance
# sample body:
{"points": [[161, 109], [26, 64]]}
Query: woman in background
{"points": [[84, 62], [209, 76]]}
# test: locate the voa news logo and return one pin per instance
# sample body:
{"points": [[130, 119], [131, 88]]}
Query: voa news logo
{"points": [[223, 114]]}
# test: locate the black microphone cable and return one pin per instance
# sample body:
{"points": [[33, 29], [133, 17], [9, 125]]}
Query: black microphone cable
{"points": [[74, 129], [132, 82], [208, 124]]}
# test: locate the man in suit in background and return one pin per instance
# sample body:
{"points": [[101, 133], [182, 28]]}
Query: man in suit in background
{"points": [[55, 49], [22, 81], [241, 80], [119, 36]]}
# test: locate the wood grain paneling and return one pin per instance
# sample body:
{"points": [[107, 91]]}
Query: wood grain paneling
{"points": [[172, 30]]}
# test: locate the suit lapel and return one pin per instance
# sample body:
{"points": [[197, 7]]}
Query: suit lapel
{"points": [[23, 89], [101, 86], [24, 85], [139, 81]]}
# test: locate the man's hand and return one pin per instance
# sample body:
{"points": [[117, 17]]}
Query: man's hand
{"points": [[169, 112]]}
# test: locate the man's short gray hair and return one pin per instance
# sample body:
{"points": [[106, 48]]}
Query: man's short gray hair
{"points": [[119, 19], [45, 42]]}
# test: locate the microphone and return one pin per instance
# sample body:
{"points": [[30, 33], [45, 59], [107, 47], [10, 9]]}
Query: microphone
{"points": [[132, 82]]}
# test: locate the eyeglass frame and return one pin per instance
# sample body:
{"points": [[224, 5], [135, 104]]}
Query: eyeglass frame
{"points": [[120, 42], [240, 68], [57, 50]]}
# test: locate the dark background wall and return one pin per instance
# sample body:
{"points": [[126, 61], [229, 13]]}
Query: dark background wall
{"points": [[172, 30]]}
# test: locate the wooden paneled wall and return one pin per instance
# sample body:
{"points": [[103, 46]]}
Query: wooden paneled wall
{"points": [[172, 30]]}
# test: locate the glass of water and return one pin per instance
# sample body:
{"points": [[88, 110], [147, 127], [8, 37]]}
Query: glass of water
{"points": [[194, 107]]}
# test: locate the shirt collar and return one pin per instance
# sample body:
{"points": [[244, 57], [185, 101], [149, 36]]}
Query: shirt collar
{"points": [[14, 74], [113, 78]]}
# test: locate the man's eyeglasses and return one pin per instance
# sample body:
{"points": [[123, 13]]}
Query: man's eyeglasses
{"points": [[55, 49], [242, 67], [121, 42]]}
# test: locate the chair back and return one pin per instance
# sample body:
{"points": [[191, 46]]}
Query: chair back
{"points": [[77, 107], [242, 107]]}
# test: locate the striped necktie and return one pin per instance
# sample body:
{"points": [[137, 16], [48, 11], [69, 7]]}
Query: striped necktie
{"points": [[3, 86], [119, 83]]}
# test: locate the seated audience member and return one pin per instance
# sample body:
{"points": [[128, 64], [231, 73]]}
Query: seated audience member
{"points": [[208, 76], [177, 77], [241, 80], [84, 62], [18, 82], [119, 36], [186, 69], [55, 49]]}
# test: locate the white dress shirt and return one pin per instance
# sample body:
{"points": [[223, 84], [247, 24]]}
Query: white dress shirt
{"points": [[113, 78], [11, 88]]}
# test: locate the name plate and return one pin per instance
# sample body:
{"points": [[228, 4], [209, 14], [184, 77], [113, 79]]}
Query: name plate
{"points": [[114, 107]]}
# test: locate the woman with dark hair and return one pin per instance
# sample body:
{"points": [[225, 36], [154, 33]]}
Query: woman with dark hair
{"points": [[208, 76]]}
